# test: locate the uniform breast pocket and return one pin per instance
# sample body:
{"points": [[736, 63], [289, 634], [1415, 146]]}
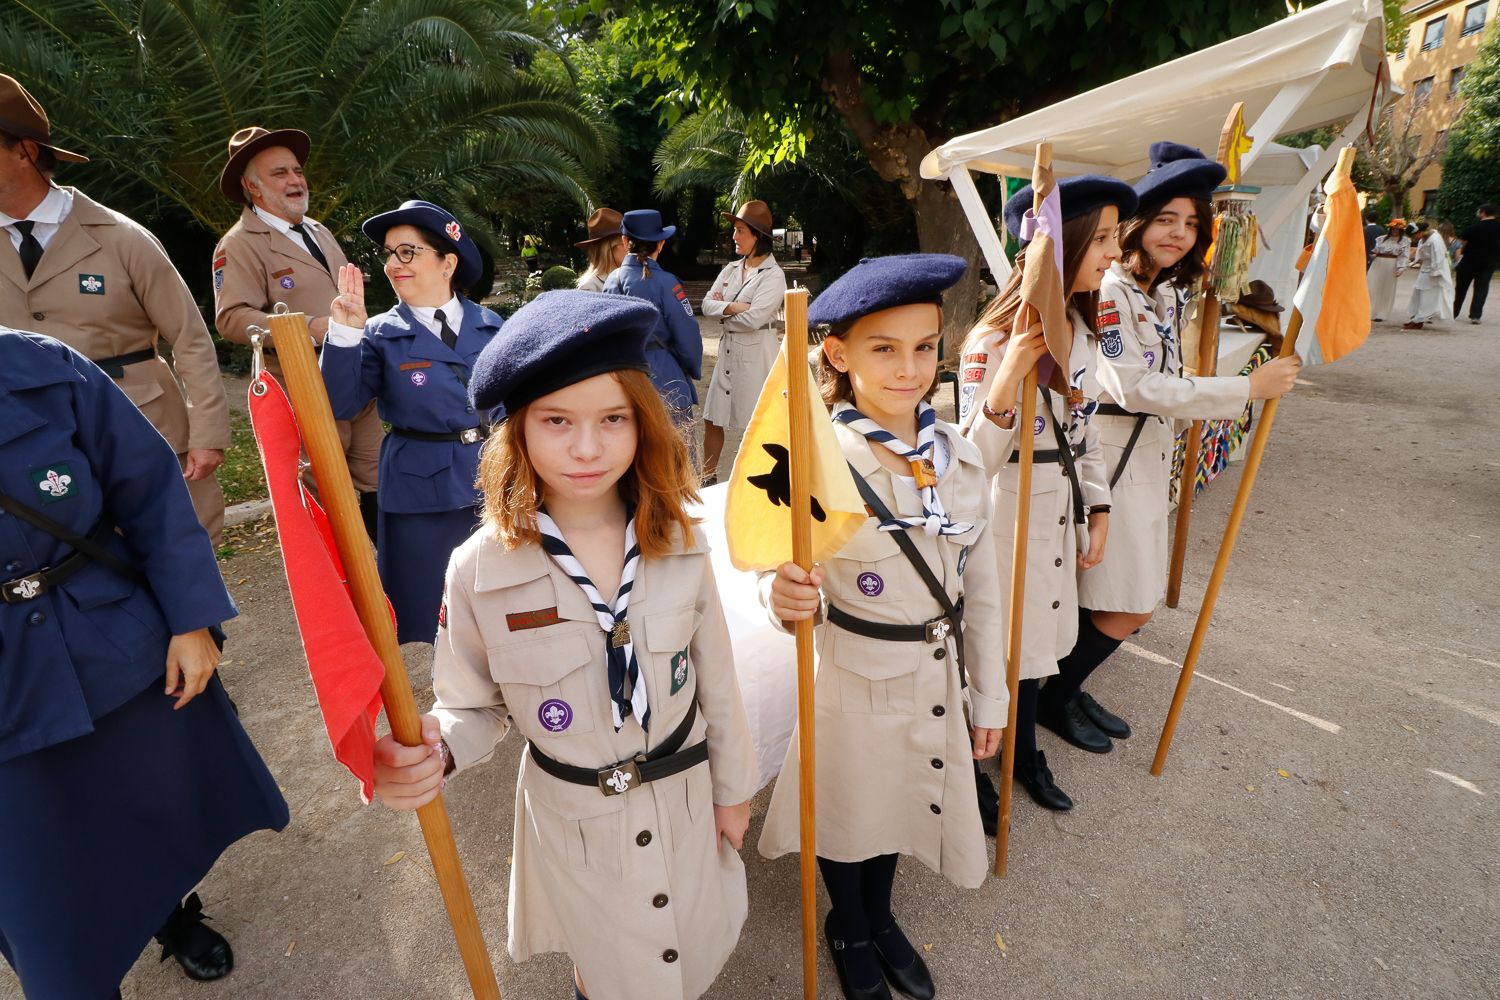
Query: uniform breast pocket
{"points": [[124, 613], [873, 569], [875, 677], [668, 636], [419, 465], [1045, 482], [579, 828], [546, 683]]}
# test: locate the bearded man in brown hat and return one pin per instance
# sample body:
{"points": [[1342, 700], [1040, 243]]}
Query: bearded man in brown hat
{"points": [[90, 277], [277, 253]]}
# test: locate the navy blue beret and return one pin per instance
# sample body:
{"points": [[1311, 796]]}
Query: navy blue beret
{"points": [[441, 223], [557, 339], [877, 283], [1079, 195], [1178, 171]]}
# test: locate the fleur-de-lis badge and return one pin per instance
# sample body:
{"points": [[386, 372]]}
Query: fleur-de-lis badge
{"points": [[26, 589], [55, 485], [619, 781]]}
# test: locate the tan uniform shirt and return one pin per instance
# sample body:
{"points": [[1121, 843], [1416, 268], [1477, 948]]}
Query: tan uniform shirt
{"points": [[748, 342], [636, 887], [894, 755]]}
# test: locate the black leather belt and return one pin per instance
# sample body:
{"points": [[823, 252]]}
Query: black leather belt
{"points": [[620, 777], [115, 367], [936, 630], [472, 435], [1116, 410], [1050, 455], [34, 585]]}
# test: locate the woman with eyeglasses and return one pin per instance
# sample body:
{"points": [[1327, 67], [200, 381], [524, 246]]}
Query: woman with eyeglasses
{"points": [[415, 360]]}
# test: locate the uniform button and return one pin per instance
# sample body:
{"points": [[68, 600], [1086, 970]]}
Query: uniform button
{"points": [[937, 762], [37, 617], [38, 315], [1063, 519], [937, 810], [659, 900], [938, 710], [1055, 605], [669, 956], [643, 838], [938, 654], [1057, 562], [14, 566]]}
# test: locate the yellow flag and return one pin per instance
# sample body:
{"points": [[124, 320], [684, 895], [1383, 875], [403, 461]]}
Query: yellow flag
{"points": [[757, 510]]}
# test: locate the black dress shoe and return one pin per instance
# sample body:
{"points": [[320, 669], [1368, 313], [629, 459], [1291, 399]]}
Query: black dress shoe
{"points": [[1071, 724], [838, 949], [203, 953], [1037, 780], [913, 979], [989, 800], [1108, 722]]}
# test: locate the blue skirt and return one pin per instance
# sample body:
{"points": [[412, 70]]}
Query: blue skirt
{"points": [[412, 552], [101, 836]]}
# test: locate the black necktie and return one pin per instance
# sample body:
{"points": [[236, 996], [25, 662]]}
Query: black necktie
{"points": [[31, 248], [445, 331], [312, 246]]}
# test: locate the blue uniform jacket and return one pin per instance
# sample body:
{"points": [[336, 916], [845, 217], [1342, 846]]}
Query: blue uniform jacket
{"points": [[421, 385], [675, 350], [74, 447]]}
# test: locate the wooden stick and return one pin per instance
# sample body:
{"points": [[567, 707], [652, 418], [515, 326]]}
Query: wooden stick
{"points": [[1226, 549], [1208, 350], [800, 434], [309, 398]]}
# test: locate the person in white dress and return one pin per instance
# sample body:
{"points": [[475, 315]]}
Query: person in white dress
{"points": [[1432, 295], [1391, 251]]}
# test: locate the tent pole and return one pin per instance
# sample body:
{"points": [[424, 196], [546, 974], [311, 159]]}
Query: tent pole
{"points": [[981, 223]]}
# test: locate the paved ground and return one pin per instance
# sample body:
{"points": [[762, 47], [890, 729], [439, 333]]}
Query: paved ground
{"points": [[1327, 825]]}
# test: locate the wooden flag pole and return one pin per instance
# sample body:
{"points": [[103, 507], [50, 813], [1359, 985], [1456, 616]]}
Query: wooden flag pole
{"points": [[1025, 446], [304, 384], [800, 434], [1208, 351]]}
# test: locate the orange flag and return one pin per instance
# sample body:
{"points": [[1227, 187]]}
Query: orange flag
{"points": [[1334, 299]]}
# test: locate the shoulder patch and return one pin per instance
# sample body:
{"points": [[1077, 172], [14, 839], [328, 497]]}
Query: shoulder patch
{"points": [[973, 373], [1106, 304], [1109, 318], [1110, 345]]}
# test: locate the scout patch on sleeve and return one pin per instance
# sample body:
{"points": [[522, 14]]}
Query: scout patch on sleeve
{"points": [[1106, 304], [966, 400], [219, 263], [53, 482], [91, 284], [1110, 318], [687, 306], [443, 613], [523, 620], [679, 671], [974, 374], [963, 558], [1110, 345]]}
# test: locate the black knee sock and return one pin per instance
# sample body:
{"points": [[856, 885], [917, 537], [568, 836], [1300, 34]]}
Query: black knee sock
{"points": [[1026, 699], [369, 511], [1092, 648], [877, 876], [848, 922]]}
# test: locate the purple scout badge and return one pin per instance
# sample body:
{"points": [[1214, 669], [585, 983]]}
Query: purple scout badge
{"points": [[555, 715], [870, 584]]}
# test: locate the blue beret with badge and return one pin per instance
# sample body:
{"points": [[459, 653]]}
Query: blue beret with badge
{"points": [[1178, 171], [441, 223], [877, 283], [1079, 195], [558, 339]]}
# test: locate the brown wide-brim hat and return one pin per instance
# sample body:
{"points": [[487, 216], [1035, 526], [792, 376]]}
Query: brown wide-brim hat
{"points": [[243, 146], [23, 117], [604, 224], [755, 214], [1259, 296]]}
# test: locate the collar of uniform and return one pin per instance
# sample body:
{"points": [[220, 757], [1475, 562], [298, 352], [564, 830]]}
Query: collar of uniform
{"points": [[498, 567], [279, 224], [861, 454], [51, 210], [88, 212], [453, 312], [1128, 281]]}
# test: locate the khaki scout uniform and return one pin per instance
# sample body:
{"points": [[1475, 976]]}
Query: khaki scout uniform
{"points": [[256, 267], [749, 342], [636, 888], [105, 287], [894, 755], [1138, 365], [1050, 624]]}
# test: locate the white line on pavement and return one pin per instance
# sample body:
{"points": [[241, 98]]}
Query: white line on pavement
{"points": [[1466, 656], [1312, 720], [1467, 786], [1282, 686], [1484, 714]]}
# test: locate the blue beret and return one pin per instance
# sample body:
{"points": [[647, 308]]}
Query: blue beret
{"points": [[438, 221], [557, 339], [877, 283], [1079, 195], [1178, 171]]}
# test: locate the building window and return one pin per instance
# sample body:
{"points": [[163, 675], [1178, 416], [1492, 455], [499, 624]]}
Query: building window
{"points": [[1432, 35], [1474, 17], [1405, 41], [1456, 78], [1421, 93], [1440, 140], [1429, 201]]}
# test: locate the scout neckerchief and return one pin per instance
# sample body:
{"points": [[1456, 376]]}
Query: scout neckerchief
{"points": [[934, 520], [619, 650]]}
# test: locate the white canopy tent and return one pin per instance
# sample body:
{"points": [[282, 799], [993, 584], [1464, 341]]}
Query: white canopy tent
{"points": [[1326, 64]]}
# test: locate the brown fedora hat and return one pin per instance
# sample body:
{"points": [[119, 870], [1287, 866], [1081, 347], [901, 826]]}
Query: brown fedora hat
{"points": [[755, 214], [23, 117], [243, 146], [604, 224]]}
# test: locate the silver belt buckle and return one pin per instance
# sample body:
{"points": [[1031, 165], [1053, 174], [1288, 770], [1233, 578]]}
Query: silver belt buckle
{"points": [[469, 436], [24, 588], [939, 629], [619, 779]]}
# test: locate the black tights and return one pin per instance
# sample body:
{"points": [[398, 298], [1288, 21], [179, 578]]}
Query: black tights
{"points": [[861, 895], [1026, 699], [1092, 648]]}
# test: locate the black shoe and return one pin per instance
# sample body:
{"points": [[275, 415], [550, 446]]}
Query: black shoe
{"points": [[203, 954], [1108, 722], [838, 950], [578, 994], [913, 979], [1071, 724], [1037, 780], [989, 800]]}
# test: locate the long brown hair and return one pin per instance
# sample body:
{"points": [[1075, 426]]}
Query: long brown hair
{"points": [[659, 485], [1185, 272]]}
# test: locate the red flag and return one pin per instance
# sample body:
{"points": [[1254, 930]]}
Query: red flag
{"points": [[346, 672]]}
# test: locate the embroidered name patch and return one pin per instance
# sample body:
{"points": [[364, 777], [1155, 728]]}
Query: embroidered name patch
{"points": [[523, 620], [679, 671], [409, 365], [54, 482], [1111, 318], [284, 272], [974, 374], [1106, 304], [976, 359], [91, 284]]}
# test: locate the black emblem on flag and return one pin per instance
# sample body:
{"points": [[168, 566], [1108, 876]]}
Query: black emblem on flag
{"points": [[778, 482]]}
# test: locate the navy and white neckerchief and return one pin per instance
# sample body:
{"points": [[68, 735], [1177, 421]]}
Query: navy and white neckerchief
{"points": [[619, 649], [934, 520]]}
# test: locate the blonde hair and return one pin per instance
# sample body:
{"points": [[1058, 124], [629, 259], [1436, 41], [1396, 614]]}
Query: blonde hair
{"points": [[601, 258]]}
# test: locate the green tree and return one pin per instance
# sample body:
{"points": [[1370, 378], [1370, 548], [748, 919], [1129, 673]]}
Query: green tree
{"points": [[1471, 166]]}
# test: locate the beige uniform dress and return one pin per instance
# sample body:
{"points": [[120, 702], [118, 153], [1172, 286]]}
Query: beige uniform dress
{"points": [[255, 267], [894, 755], [748, 340], [1137, 365], [1050, 627], [1390, 259], [637, 888], [105, 287]]}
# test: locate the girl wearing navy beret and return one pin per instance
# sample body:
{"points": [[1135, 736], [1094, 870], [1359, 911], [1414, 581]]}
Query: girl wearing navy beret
{"points": [[584, 614], [1137, 377], [911, 680]]}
